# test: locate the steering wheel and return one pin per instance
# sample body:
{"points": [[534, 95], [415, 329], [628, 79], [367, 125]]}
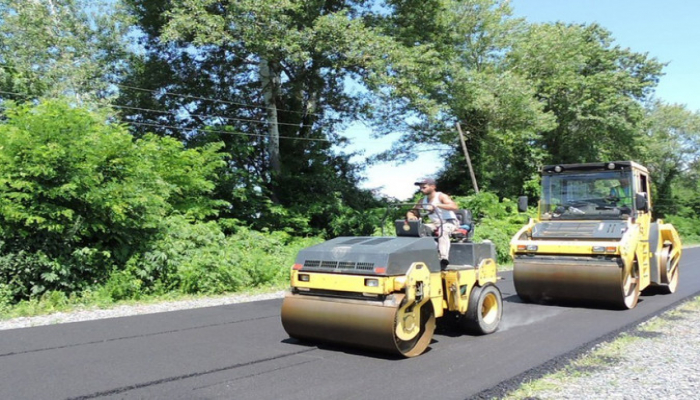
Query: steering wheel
{"points": [[612, 198]]}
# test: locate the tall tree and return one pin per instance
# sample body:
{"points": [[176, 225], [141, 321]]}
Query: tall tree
{"points": [[594, 88], [453, 69], [255, 71], [61, 47], [670, 148]]}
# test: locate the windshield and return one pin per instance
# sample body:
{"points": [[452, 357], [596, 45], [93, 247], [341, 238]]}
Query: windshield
{"points": [[590, 195]]}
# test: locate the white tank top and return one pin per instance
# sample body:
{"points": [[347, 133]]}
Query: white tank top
{"points": [[444, 214]]}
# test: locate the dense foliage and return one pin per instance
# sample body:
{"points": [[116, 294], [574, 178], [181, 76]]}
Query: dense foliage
{"points": [[79, 195], [168, 146]]}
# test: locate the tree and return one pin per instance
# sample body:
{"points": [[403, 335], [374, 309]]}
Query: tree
{"points": [[254, 72], [453, 69], [79, 195], [61, 47], [594, 89], [670, 148]]}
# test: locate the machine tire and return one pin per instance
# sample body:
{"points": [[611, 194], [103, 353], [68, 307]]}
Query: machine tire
{"points": [[630, 287], [484, 311]]}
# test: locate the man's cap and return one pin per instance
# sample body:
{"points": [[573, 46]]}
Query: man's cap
{"points": [[425, 181]]}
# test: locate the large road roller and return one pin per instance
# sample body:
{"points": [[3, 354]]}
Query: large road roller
{"points": [[384, 293], [594, 239]]}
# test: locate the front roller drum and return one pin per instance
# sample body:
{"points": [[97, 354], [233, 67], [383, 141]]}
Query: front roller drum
{"points": [[579, 279], [372, 325]]}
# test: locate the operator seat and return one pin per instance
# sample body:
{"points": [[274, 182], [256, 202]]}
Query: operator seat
{"points": [[465, 231]]}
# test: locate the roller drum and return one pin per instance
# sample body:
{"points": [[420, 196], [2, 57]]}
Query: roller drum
{"points": [[585, 279], [363, 324]]}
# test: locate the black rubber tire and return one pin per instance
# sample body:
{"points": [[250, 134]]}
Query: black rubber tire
{"points": [[485, 310]]}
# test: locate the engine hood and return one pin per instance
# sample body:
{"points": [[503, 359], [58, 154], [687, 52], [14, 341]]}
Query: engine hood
{"points": [[579, 230]]}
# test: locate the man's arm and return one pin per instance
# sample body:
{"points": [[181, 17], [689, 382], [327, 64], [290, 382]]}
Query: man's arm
{"points": [[413, 213], [446, 203]]}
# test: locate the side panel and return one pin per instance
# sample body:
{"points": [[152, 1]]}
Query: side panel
{"points": [[471, 254]]}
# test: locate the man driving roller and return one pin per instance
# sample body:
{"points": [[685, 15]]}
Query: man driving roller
{"points": [[622, 194], [442, 216]]}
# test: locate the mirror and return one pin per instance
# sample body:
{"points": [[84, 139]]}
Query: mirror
{"points": [[522, 204], [640, 202]]}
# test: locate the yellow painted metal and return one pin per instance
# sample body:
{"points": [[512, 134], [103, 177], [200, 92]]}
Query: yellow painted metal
{"points": [[487, 272], [401, 323], [344, 282], [489, 309], [360, 323], [575, 273], [436, 294], [417, 292], [458, 284], [670, 237]]}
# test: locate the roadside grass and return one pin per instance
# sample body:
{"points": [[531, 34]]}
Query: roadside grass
{"points": [[55, 302], [602, 356]]}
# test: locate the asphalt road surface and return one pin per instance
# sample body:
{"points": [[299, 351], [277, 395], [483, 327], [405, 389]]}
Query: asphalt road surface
{"points": [[241, 352]]}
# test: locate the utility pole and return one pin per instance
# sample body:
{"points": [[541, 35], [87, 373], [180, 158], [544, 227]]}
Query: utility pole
{"points": [[466, 155]]}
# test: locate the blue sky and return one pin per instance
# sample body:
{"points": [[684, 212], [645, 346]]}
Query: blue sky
{"points": [[667, 30]]}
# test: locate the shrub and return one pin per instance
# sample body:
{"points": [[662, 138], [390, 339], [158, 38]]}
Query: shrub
{"points": [[79, 196], [496, 220], [688, 228]]}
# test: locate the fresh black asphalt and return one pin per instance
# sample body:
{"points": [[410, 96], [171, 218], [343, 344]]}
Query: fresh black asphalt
{"points": [[241, 352]]}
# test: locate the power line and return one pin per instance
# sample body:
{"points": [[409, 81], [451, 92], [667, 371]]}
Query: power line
{"points": [[214, 100], [225, 132], [301, 125], [198, 129]]}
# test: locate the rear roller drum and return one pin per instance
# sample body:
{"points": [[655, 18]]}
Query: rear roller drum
{"points": [[669, 271], [484, 310]]}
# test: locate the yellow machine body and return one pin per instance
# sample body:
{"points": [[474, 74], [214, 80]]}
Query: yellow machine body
{"points": [[596, 249], [390, 308]]}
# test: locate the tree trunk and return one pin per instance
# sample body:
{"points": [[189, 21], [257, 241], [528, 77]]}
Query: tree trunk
{"points": [[270, 80]]}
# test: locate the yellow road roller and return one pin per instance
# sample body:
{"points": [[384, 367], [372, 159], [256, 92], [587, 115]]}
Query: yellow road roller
{"points": [[385, 293], [594, 239]]}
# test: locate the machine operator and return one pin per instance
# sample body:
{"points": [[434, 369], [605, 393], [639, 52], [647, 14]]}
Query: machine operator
{"points": [[442, 216]]}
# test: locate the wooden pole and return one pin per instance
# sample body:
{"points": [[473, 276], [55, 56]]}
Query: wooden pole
{"points": [[466, 155]]}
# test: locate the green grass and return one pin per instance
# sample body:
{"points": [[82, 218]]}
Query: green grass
{"points": [[55, 302]]}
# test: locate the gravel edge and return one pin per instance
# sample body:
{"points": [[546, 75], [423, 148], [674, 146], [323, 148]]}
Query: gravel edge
{"points": [[128, 310], [635, 374]]}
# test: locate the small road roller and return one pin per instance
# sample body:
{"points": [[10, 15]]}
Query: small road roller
{"points": [[594, 239], [384, 293]]}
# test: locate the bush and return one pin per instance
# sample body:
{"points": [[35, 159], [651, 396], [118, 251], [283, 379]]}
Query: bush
{"points": [[496, 220], [198, 258], [688, 228], [79, 196]]}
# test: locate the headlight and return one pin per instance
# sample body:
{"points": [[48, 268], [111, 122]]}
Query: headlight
{"points": [[528, 247], [372, 282], [604, 249]]}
